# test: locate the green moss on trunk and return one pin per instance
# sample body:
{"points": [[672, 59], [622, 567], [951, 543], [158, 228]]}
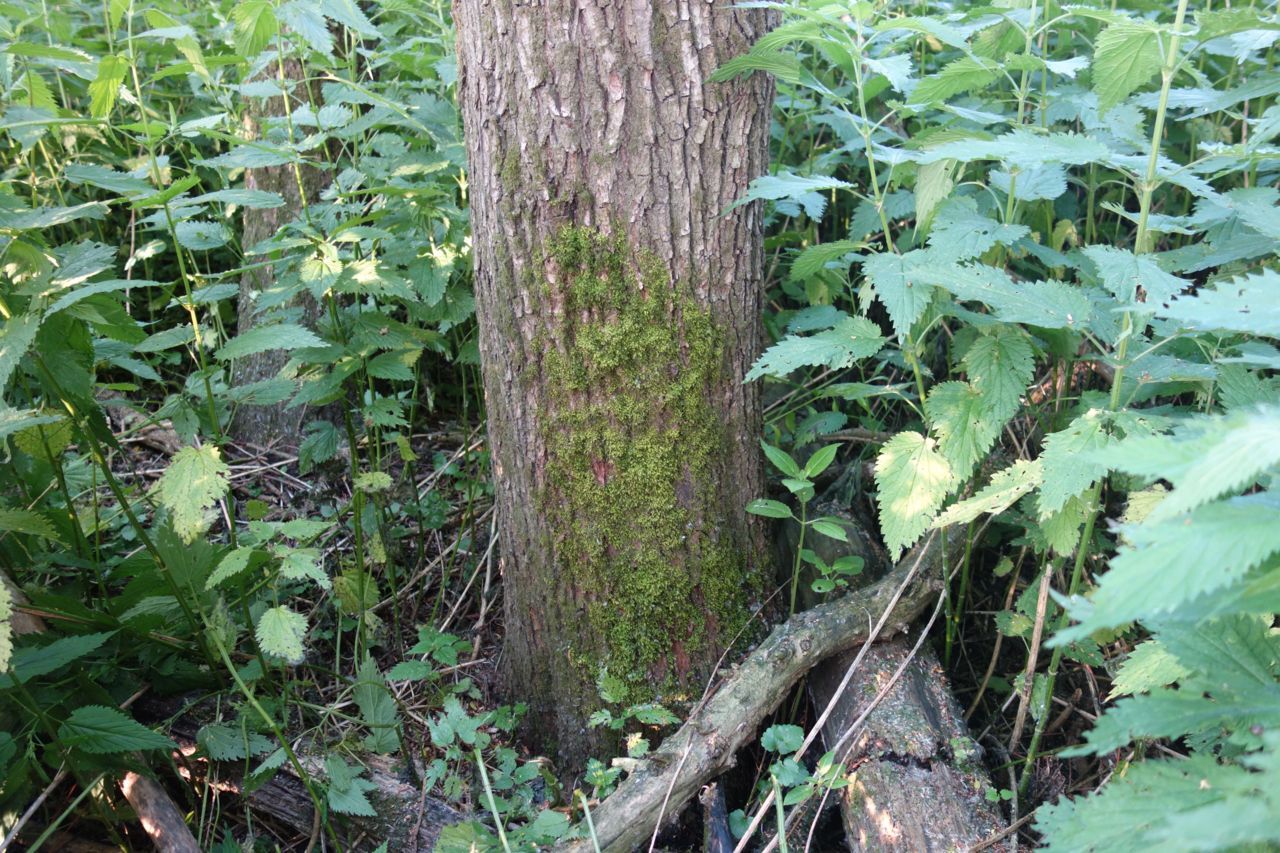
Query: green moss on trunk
{"points": [[634, 443]]}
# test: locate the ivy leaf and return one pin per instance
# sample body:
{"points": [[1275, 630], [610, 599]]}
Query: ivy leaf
{"points": [[281, 633], [102, 730], [1069, 462], [194, 481], [912, 479], [1006, 488], [285, 336], [1125, 57]]}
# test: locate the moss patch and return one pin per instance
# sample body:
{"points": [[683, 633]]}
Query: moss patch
{"points": [[633, 445]]}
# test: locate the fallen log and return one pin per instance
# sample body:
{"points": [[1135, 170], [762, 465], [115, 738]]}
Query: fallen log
{"points": [[917, 782], [160, 818], [706, 745]]}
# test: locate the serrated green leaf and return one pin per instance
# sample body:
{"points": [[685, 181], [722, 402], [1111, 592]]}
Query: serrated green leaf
{"points": [[27, 521], [1050, 304], [16, 337], [784, 66], [101, 730], [960, 232], [1006, 488], [229, 566], [302, 564], [201, 235], [106, 84], [1123, 273], [1173, 562], [815, 258], [912, 480], [278, 336], [223, 742], [1148, 666], [281, 632], [29, 662], [255, 26], [1247, 304], [377, 708], [1069, 460], [853, 338], [1125, 57], [965, 424], [805, 191], [961, 75], [999, 365], [194, 481], [898, 285]]}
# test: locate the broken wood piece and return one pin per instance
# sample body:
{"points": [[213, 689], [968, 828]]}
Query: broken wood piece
{"points": [[706, 745], [917, 782], [160, 818]]}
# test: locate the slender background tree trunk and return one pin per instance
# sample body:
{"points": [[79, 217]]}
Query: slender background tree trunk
{"points": [[619, 312], [275, 423]]}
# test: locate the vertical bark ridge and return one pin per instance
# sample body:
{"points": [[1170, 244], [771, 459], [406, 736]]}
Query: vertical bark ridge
{"points": [[600, 164]]}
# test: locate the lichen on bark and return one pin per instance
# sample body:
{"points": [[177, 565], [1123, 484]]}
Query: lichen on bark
{"points": [[633, 443]]}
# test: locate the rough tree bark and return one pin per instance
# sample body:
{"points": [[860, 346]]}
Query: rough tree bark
{"points": [[618, 314], [274, 423]]}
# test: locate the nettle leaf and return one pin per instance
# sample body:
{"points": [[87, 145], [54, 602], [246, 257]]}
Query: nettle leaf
{"points": [[1123, 273], [1023, 146], [815, 258], [1147, 667], [1120, 818], [1006, 488], [960, 232], [306, 20], [1042, 182], [912, 479], [101, 730], [899, 286], [281, 632], [964, 422], [377, 708], [28, 521], [222, 742], [302, 564], [16, 337], [346, 790], [999, 363], [31, 661], [962, 75], [105, 87], [194, 481], [852, 338], [1069, 460], [285, 336], [256, 26], [1204, 458], [791, 187], [200, 234], [1125, 57], [1049, 304], [784, 66], [1248, 304], [230, 566], [1170, 563]]}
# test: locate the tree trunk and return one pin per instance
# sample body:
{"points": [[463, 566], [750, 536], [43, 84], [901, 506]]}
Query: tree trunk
{"points": [[618, 314], [273, 423]]}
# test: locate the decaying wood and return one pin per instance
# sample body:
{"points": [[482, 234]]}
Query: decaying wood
{"points": [[21, 622], [160, 818], [406, 818], [706, 745], [917, 779]]}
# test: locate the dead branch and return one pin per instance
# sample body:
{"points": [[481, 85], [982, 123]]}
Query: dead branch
{"points": [[706, 745]]}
